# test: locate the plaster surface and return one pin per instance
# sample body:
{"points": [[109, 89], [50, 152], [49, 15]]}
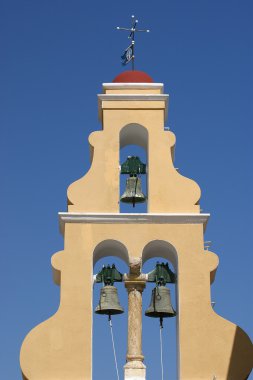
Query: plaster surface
{"points": [[61, 347], [124, 117]]}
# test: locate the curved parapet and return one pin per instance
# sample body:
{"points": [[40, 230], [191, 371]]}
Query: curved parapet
{"points": [[212, 347], [133, 113], [169, 191], [60, 347], [97, 190]]}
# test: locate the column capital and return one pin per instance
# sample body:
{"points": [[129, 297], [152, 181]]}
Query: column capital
{"points": [[133, 282]]}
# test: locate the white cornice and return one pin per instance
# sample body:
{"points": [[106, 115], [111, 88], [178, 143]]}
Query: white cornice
{"points": [[121, 86], [126, 218], [145, 97]]}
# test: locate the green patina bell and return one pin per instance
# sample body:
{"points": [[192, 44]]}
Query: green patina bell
{"points": [[160, 305], [133, 193], [162, 274], [133, 166], [109, 301]]}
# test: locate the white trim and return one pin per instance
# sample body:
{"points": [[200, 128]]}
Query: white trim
{"points": [[126, 218], [123, 85], [145, 97]]}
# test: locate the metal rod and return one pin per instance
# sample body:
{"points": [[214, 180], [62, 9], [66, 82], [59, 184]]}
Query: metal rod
{"points": [[133, 52], [132, 31], [134, 22], [119, 28]]}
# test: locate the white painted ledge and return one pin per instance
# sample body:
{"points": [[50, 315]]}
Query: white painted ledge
{"points": [[143, 97], [129, 85], [126, 218]]}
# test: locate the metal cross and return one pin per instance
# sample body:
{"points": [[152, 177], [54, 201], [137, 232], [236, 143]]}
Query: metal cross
{"points": [[132, 31]]}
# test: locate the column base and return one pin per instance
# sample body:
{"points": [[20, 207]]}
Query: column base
{"points": [[135, 370]]}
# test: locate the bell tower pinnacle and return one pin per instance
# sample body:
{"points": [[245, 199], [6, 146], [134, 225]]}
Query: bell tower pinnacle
{"points": [[133, 109]]}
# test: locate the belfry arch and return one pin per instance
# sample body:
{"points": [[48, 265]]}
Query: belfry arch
{"points": [[160, 248], [134, 109], [134, 134], [108, 253], [133, 141], [157, 333], [110, 247]]}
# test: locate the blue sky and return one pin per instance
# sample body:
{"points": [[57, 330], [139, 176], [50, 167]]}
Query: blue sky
{"points": [[55, 55]]}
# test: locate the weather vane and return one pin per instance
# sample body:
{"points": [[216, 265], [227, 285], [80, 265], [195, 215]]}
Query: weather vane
{"points": [[128, 54]]}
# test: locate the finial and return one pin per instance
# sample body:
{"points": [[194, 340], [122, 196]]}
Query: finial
{"points": [[128, 54]]}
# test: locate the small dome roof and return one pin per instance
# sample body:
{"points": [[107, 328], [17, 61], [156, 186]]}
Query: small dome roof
{"points": [[133, 76]]}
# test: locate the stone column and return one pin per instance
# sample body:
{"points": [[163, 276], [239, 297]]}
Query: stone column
{"points": [[134, 368]]}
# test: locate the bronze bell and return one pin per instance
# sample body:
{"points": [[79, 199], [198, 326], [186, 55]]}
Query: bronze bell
{"points": [[133, 193], [109, 302], [160, 305]]}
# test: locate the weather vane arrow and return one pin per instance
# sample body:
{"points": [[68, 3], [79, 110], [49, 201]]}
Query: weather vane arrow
{"points": [[128, 54]]}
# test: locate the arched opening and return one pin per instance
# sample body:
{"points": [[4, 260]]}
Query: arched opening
{"points": [[159, 251], [134, 143], [109, 252], [110, 247]]}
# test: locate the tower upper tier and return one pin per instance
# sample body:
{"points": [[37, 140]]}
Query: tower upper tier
{"points": [[133, 111]]}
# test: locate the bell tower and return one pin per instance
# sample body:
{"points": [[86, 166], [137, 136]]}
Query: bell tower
{"points": [[133, 109]]}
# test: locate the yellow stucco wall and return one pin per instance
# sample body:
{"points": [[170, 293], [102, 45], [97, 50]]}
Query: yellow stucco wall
{"points": [[168, 190], [61, 347]]}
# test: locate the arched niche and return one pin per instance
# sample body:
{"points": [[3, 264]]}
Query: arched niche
{"points": [[109, 252], [134, 142], [110, 247], [160, 248], [134, 134]]}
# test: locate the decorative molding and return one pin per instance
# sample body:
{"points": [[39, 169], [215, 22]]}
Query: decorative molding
{"points": [[141, 97], [122, 86], [127, 218]]}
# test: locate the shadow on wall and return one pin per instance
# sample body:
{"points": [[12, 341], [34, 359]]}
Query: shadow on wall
{"points": [[110, 247], [160, 248], [241, 361]]}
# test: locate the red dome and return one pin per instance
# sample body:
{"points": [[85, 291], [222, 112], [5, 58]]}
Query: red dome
{"points": [[133, 76]]}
